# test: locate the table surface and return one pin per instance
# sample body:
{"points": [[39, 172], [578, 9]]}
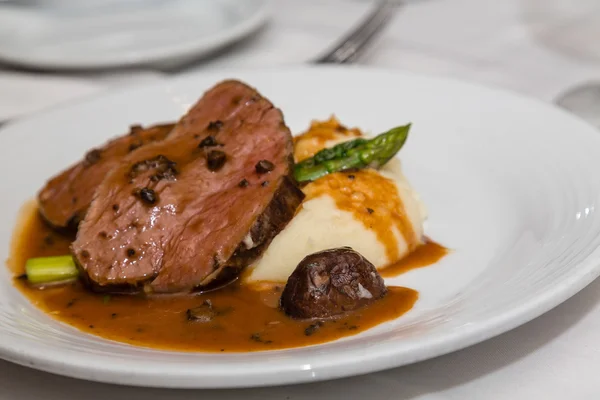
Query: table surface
{"points": [[517, 44]]}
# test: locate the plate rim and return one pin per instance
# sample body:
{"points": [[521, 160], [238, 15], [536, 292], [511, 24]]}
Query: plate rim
{"points": [[187, 51], [380, 357]]}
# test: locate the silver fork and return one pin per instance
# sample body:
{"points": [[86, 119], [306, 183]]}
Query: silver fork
{"points": [[353, 44]]}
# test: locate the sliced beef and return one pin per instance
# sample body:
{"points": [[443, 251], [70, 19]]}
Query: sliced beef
{"points": [[174, 216], [65, 198], [331, 282]]}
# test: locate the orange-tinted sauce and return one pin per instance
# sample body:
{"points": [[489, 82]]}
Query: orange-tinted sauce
{"points": [[246, 319], [426, 254], [317, 136], [373, 200]]}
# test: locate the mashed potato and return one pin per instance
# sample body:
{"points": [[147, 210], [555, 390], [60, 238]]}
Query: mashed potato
{"points": [[377, 213]]}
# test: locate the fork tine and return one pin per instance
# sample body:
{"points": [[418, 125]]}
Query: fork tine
{"points": [[373, 20], [351, 45]]}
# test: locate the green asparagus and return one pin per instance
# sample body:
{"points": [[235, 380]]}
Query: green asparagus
{"points": [[354, 154], [50, 269]]}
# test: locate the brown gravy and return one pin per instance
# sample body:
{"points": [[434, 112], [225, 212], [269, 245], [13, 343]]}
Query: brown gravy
{"points": [[316, 137], [373, 200], [426, 254], [247, 319]]}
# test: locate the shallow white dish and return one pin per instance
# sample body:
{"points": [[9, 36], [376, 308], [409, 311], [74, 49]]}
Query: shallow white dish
{"points": [[158, 33], [510, 183]]}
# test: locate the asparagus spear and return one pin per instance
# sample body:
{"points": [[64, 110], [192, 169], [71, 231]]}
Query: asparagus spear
{"points": [[50, 269], [354, 154]]}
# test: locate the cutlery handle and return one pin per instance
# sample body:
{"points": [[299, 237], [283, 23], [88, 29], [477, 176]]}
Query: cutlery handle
{"points": [[352, 45]]}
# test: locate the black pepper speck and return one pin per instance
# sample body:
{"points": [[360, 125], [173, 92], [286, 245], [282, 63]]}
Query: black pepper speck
{"points": [[264, 166], [215, 160], [215, 126], [92, 157], [208, 141], [148, 196], [135, 128], [134, 145]]}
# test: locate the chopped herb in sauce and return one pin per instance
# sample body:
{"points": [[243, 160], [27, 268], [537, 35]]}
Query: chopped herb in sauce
{"points": [[264, 166], [257, 337], [165, 168], [313, 328], [135, 128], [92, 157], [214, 126], [208, 141], [215, 160], [148, 196], [135, 145]]}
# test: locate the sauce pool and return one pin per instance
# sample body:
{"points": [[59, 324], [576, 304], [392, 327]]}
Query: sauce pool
{"points": [[426, 254], [244, 318]]}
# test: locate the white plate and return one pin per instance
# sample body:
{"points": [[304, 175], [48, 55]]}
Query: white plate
{"points": [[511, 185], [160, 33]]}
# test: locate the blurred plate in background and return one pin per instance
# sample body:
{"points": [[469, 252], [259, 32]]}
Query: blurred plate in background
{"points": [[159, 33]]}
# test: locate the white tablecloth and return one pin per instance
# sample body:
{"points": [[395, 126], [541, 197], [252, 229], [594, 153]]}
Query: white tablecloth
{"points": [[511, 43]]}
